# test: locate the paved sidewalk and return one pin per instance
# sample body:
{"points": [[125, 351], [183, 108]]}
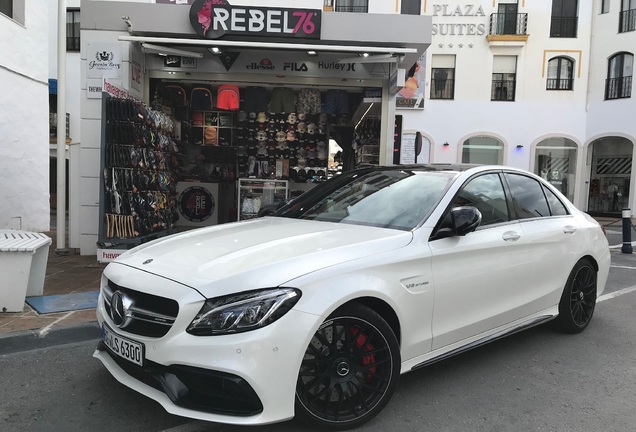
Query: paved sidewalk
{"points": [[75, 273], [64, 275]]}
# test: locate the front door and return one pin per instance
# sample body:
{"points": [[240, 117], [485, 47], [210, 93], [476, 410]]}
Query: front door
{"points": [[610, 175], [508, 18]]}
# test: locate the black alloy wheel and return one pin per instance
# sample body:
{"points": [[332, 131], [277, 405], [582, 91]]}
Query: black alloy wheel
{"points": [[579, 299], [349, 371]]}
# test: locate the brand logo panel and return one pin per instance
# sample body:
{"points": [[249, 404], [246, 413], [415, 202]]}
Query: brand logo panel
{"points": [[213, 19]]}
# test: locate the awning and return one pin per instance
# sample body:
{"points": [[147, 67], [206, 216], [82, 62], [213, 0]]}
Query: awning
{"points": [[395, 51]]}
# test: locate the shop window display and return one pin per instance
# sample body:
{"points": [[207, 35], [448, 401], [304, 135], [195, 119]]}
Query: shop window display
{"points": [[139, 173], [611, 170], [279, 133], [556, 163]]}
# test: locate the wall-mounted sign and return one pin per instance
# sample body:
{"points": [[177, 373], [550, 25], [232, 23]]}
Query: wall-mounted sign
{"points": [[180, 62], [196, 204], [103, 60], [94, 88], [458, 28], [213, 19]]}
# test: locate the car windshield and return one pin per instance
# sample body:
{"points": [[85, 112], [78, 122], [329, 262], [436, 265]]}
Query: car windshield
{"points": [[397, 199]]}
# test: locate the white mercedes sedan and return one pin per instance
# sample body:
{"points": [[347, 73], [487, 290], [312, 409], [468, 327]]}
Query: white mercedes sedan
{"points": [[316, 310]]}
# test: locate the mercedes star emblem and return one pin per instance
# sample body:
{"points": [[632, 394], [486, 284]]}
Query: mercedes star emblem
{"points": [[120, 305]]}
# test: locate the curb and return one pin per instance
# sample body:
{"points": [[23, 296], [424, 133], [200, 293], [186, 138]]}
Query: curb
{"points": [[32, 339]]}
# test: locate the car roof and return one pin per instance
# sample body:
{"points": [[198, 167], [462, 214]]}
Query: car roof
{"points": [[453, 167]]}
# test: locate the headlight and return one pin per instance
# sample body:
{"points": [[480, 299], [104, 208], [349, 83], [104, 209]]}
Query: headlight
{"points": [[243, 312]]}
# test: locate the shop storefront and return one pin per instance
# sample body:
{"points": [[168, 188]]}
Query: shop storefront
{"points": [[610, 175], [257, 105]]}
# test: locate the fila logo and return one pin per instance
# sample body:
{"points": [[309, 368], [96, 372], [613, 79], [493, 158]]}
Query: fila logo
{"points": [[295, 67]]}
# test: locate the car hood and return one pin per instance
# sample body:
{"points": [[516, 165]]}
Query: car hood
{"points": [[264, 252]]}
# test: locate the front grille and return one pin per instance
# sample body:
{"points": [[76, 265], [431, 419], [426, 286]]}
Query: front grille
{"points": [[195, 388], [148, 315]]}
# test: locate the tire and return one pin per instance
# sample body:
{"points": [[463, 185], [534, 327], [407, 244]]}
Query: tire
{"points": [[349, 370], [578, 300]]}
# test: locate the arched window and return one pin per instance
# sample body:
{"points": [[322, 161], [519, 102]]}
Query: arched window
{"points": [[560, 75], [485, 150], [619, 76]]}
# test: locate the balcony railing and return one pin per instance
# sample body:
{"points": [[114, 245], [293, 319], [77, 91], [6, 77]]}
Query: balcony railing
{"points": [[627, 21], [508, 24], [503, 90], [560, 84], [618, 88], [443, 89], [359, 8], [564, 27], [72, 43]]}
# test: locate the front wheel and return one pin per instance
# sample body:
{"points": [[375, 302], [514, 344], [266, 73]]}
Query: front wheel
{"points": [[349, 371], [578, 299]]}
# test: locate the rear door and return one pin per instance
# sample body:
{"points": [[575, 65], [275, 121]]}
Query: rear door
{"points": [[553, 239]]}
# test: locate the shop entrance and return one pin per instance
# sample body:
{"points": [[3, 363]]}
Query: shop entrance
{"points": [[236, 140], [611, 168]]}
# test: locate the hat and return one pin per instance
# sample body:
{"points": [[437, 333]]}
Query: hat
{"points": [[261, 117]]}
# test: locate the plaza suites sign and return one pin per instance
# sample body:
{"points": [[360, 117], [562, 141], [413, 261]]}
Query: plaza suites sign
{"points": [[213, 19], [461, 20]]}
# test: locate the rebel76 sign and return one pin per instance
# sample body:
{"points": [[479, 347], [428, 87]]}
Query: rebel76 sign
{"points": [[215, 18]]}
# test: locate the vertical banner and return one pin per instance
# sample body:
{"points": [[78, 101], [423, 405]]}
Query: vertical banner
{"points": [[411, 96], [397, 140]]}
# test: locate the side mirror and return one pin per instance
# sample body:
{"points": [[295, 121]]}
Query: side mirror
{"points": [[465, 219], [462, 221]]}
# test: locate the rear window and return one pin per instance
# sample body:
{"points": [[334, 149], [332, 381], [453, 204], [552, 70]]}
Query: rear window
{"points": [[528, 197]]}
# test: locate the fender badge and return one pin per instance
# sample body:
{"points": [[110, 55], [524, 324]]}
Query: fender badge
{"points": [[148, 261]]}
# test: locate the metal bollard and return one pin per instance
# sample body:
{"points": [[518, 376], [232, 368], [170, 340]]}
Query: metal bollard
{"points": [[627, 232]]}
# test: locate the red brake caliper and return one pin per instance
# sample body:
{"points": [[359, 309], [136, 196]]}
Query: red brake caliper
{"points": [[361, 341]]}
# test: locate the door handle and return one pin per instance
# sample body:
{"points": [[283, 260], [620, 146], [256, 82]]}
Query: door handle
{"points": [[569, 229], [511, 236]]}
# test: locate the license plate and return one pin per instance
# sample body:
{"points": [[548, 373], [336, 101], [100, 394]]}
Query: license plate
{"points": [[123, 347]]}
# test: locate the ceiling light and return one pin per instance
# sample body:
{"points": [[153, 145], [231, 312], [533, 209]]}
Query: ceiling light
{"points": [[215, 50], [312, 53], [366, 54], [166, 51], [380, 58]]}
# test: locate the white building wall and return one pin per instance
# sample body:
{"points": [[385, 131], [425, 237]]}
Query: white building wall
{"points": [[580, 115], [610, 117], [24, 133]]}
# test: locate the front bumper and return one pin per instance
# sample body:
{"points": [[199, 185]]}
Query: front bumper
{"points": [[247, 378]]}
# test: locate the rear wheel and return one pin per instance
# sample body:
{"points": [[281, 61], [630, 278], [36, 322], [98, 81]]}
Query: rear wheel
{"points": [[578, 300], [349, 371]]}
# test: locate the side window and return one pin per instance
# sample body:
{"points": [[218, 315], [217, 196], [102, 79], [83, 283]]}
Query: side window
{"points": [[557, 208], [528, 197], [486, 193]]}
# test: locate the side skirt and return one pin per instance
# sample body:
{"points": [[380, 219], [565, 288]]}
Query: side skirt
{"points": [[483, 341]]}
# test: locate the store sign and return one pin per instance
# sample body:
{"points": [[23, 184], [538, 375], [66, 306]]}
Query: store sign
{"points": [[196, 204], [114, 90], [458, 28], [180, 62], [213, 19], [103, 60], [109, 255], [94, 89]]}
